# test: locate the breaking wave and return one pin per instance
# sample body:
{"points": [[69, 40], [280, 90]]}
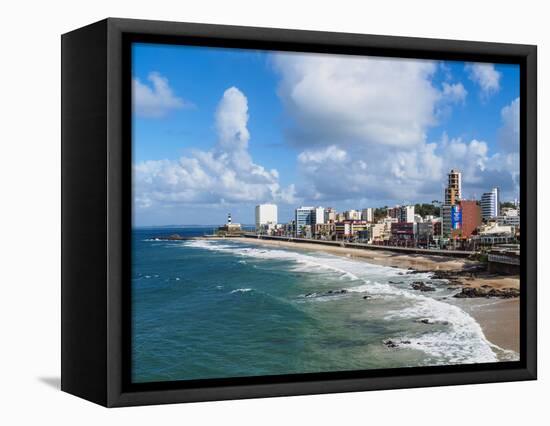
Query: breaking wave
{"points": [[460, 340]]}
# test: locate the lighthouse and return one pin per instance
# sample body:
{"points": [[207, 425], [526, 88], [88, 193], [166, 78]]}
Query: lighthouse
{"points": [[230, 228]]}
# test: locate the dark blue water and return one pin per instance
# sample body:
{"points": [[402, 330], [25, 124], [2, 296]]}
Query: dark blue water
{"points": [[214, 309]]}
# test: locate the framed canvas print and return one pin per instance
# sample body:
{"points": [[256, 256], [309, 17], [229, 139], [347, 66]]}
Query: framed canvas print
{"points": [[252, 212]]}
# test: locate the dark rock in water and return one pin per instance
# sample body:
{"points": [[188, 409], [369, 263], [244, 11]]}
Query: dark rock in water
{"points": [[310, 294], [395, 282], [400, 273], [425, 321], [420, 285], [335, 292], [487, 291], [367, 297], [173, 237], [393, 344]]}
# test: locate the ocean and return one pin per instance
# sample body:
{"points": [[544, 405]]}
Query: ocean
{"points": [[223, 308]]}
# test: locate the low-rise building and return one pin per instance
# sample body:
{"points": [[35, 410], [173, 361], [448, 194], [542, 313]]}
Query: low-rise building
{"points": [[325, 231], [509, 217], [352, 215], [375, 232], [403, 232], [349, 229], [425, 233], [492, 233], [330, 215]]}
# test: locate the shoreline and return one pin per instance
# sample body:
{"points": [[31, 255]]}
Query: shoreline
{"points": [[498, 317]]}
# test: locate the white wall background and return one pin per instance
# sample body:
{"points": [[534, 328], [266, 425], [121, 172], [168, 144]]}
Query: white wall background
{"points": [[30, 211]]}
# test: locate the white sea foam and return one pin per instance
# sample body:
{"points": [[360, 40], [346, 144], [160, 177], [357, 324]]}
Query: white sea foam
{"points": [[461, 341], [241, 290]]}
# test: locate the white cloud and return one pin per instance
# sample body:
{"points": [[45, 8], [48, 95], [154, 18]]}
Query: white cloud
{"points": [[509, 132], [231, 120], [357, 100], [480, 169], [157, 99], [486, 76], [360, 125], [454, 92], [225, 174]]}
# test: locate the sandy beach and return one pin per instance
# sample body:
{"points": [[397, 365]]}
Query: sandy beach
{"points": [[499, 318]]}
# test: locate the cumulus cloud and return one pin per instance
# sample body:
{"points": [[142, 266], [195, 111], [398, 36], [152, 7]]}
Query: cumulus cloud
{"points": [[509, 132], [155, 99], [225, 174], [360, 126], [480, 169], [486, 76], [455, 92], [356, 100]]}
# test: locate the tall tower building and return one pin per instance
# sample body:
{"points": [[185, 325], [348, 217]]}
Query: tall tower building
{"points": [[490, 204], [453, 192]]}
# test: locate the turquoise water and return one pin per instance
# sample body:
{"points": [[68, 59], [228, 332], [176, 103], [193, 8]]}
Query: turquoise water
{"points": [[214, 309]]}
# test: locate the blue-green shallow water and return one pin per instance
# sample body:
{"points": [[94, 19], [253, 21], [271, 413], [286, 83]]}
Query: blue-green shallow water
{"points": [[214, 309]]}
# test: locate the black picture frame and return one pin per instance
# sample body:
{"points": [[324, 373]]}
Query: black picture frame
{"points": [[96, 211]]}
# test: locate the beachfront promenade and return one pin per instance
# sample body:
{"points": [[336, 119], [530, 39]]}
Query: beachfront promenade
{"points": [[408, 250]]}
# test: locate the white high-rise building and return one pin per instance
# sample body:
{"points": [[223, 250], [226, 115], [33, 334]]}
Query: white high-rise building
{"points": [[368, 214], [407, 214], [319, 215], [490, 204], [266, 214]]}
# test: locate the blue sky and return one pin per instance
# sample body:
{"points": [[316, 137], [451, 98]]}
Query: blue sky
{"points": [[218, 130]]}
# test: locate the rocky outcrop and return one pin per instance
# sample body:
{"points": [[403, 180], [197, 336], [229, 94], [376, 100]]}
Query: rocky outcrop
{"points": [[486, 291], [394, 343], [421, 286], [328, 293]]}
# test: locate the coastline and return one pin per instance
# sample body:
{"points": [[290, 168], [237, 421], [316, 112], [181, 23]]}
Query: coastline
{"points": [[498, 318]]}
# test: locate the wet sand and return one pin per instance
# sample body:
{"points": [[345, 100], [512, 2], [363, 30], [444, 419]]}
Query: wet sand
{"points": [[499, 318]]}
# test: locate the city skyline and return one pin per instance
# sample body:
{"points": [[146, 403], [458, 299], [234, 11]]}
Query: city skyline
{"points": [[304, 129]]}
